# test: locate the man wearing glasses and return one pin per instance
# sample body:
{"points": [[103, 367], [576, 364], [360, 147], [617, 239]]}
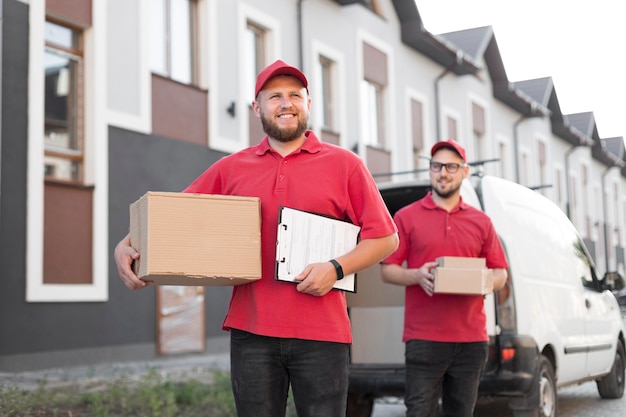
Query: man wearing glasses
{"points": [[445, 335]]}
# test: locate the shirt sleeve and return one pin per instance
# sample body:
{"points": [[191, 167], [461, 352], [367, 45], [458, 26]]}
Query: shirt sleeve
{"points": [[401, 253], [493, 252]]}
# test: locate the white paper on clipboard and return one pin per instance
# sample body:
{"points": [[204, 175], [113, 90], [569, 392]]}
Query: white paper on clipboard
{"points": [[305, 238]]}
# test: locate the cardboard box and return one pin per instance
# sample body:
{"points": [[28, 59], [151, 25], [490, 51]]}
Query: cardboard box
{"points": [[463, 281], [461, 275], [196, 239], [461, 262]]}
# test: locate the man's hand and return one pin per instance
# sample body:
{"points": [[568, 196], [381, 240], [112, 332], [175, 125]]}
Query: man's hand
{"points": [[124, 257], [425, 279], [317, 279]]}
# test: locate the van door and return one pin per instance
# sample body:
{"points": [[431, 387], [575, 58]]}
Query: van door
{"points": [[600, 332], [600, 322], [549, 303]]}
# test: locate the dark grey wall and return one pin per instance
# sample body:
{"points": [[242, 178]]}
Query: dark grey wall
{"points": [[137, 164], [13, 175], [54, 334]]}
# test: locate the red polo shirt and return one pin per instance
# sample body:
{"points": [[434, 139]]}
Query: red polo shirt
{"points": [[427, 232], [320, 178]]}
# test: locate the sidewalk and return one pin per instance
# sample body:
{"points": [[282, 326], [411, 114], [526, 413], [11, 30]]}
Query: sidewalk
{"points": [[197, 366]]}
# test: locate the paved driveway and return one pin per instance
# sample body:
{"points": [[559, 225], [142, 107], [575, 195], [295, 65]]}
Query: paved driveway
{"points": [[579, 401]]}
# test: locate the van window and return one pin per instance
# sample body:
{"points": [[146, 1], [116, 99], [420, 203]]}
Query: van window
{"points": [[584, 266]]}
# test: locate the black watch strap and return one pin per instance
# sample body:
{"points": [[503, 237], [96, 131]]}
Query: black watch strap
{"points": [[338, 269]]}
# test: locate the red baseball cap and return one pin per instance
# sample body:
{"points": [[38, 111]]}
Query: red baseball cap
{"points": [[450, 144], [278, 68]]}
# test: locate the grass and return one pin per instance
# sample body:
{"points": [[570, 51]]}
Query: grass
{"points": [[152, 396]]}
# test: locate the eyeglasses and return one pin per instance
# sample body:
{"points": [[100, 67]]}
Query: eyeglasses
{"points": [[450, 167]]}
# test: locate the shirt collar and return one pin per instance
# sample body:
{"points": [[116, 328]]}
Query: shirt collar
{"points": [[311, 145], [429, 203]]}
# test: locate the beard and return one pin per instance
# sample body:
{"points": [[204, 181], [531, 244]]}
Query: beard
{"points": [[271, 128], [448, 192]]}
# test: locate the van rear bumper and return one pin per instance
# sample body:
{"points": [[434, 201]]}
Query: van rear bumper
{"points": [[514, 377], [377, 380]]}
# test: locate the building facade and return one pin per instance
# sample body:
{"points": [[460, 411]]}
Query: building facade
{"points": [[103, 100]]}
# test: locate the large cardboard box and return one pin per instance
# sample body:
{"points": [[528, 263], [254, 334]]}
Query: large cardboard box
{"points": [[459, 275], [196, 239]]}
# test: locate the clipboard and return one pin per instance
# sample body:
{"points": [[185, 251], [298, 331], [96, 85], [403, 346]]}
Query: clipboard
{"points": [[304, 238]]}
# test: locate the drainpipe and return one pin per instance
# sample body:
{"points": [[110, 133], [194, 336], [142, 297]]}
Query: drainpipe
{"points": [[568, 210], [516, 146], [1, 42], [300, 36], [605, 222]]}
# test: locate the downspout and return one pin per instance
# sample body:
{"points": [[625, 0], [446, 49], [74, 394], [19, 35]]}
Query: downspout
{"points": [[1, 48], [568, 210], [516, 146], [605, 223], [300, 36]]}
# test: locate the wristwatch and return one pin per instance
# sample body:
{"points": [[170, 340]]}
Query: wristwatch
{"points": [[338, 269]]}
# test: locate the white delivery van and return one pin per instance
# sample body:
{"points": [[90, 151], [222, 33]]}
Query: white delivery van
{"points": [[554, 324]]}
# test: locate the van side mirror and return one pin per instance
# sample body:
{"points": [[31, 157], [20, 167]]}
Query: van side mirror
{"points": [[614, 281]]}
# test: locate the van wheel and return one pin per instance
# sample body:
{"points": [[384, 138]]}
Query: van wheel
{"points": [[359, 405], [612, 385], [543, 395]]}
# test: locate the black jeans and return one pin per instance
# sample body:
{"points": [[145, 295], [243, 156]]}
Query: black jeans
{"points": [[263, 367], [451, 371]]}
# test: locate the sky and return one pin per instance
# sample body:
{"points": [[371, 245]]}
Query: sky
{"points": [[580, 44]]}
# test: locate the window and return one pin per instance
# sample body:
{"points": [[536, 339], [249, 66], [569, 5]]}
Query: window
{"points": [[66, 242], [417, 133], [374, 133], [451, 125], [582, 263], [558, 187], [327, 68], [523, 169], [255, 58], [616, 212], [478, 130], [173, 27], [63, 101], [417, 125], [259, 44], [255, 40], [375, 82], [573, 201], [585, 208], [542, 162], [501, 159], [375, 6]]}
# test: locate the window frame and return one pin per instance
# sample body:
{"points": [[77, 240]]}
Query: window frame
{"points": [[246, 14], [337, 84], [327, 68], [166, 69], [73, 155], [374, 104], [95, 168]]}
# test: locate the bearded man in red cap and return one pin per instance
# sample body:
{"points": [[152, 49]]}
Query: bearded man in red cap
{"points": [[284, 334], [445, 335]]}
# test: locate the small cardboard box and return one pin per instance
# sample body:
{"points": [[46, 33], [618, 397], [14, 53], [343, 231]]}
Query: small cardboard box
{"points": [[463, 281], [461, 262], [196, 239], [460, 275]]}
